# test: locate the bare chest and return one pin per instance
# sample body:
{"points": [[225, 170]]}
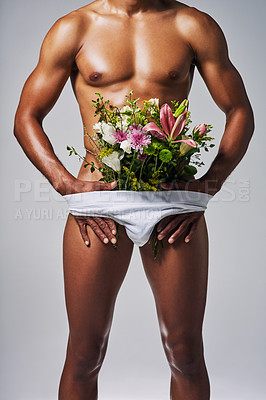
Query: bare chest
{"points": [[148, 52]]}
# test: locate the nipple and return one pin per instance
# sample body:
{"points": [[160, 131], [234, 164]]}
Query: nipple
{"points": [[95, 76], [173, 74]]}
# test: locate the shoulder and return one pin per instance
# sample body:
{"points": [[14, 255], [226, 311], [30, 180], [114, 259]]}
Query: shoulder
{"points": [[68, 27], [65, 38], [191, 21], [199, 29]]}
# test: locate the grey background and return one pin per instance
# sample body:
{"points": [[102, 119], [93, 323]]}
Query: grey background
{"points": [[33, 317]]}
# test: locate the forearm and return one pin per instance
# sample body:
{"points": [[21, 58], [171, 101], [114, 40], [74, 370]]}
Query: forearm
{"points": [[238, 132], [36, 145]]}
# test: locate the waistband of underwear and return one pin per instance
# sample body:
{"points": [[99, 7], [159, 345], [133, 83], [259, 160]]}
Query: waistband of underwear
{"points": [[130, 196]]}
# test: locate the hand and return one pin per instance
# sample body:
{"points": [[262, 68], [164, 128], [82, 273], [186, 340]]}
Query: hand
{"points": [[195, 185], [185, 223], [79, 186], [104, 228]]}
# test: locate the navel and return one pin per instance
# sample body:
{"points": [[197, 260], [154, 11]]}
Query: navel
{"points": [[95, 76]]}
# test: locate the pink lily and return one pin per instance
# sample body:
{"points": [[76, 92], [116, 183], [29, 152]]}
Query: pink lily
{"points": [[189, 142], [201, 129], [171, 127], [155, 131]]}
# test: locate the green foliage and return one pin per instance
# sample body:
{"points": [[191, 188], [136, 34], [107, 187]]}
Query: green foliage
{"points": [[190, 170], [157, 145], [149, 150], [165, 155]]}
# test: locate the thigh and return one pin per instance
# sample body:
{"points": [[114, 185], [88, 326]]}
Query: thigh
{"points": [[178, 279], [92, 278]]}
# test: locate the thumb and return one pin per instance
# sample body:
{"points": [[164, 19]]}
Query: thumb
{"points": [[167, 185], [175, 185], [107, 185]]}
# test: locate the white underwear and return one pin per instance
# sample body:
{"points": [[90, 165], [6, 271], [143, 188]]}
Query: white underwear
{"points": [[139, 212]]}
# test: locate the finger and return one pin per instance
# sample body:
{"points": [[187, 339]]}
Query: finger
{"points": [[191, 231], [98, 185], [174, 223], [162, 224], [105, 228], [181, 229], [111, 225], [83, 231], [97, 230]]}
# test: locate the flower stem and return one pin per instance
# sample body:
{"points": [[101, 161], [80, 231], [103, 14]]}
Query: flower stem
{"points": [[141, 169], [130, 168], [93, 143], [84, 158], [119, 179], [161, 165], [155, 164]]}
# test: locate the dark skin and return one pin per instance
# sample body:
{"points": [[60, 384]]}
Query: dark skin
{"points": [[112, 46]]}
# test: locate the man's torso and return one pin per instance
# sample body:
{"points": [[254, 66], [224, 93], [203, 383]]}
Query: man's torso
{"points": [[146, 53]]}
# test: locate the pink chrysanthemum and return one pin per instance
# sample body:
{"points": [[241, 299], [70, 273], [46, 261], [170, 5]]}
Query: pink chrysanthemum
{"points": [[138, 138], [120, 136]]}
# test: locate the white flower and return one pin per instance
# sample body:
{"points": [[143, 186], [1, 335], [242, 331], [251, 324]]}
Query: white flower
{"points": [[126, 146], [122, 123], [154, 102], [113, 160], [108, 132], [126, 109], [97, 127]]}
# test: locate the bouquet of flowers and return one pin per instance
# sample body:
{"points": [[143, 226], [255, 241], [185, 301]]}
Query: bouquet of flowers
{"points": [[141, 147]]}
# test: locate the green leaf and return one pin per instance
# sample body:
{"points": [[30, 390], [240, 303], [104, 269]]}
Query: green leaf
{"points": [[190, 170]]}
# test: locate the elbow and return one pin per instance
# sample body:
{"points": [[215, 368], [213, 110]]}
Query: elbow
{"points": [[16, 127], [25, 119], [252, 128], [22, 122], [250, 121], [243, 116], [19, 123], [249, 118]]}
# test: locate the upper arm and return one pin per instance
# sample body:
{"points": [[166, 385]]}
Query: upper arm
{"points": [[46, 82], [221, 77]]}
